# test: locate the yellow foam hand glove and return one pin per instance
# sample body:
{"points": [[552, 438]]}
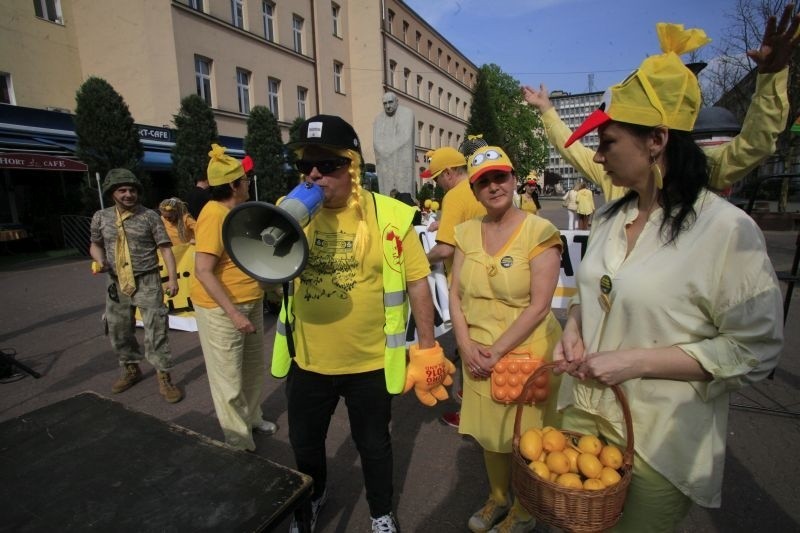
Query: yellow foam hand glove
{"points": [[428, 372]]}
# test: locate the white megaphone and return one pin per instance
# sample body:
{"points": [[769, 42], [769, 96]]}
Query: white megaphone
{"points": [[267, 241]]}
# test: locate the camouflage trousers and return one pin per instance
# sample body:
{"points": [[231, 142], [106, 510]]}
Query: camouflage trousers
{"points": [[120, 316]]}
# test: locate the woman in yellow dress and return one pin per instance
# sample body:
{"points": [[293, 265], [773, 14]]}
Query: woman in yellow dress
{"points": [[505, 271]]}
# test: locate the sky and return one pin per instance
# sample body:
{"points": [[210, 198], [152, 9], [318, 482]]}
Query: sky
{"points": [[561, 42]]}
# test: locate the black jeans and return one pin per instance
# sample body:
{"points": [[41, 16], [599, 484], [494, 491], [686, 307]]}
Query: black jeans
{"points": [[312, 399]]}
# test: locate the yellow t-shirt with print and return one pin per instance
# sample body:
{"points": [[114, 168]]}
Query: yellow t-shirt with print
{"points": [[338, 304], [239, 287]]}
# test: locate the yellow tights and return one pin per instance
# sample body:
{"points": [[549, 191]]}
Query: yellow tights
{"points": [[498, 469]]}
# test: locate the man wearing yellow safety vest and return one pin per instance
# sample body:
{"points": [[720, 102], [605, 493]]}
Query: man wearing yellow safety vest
{"points": [[341, 330], [727, 163]]}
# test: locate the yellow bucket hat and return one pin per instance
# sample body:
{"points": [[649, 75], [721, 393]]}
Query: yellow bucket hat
{"points": [[223, 168], [661, 92]]}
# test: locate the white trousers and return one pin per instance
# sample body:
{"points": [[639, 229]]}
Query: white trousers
{"points": [[235, 366], [571, 224]]}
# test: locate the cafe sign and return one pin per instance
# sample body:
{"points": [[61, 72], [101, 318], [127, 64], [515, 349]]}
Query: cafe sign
{"points": [[25, 161]]}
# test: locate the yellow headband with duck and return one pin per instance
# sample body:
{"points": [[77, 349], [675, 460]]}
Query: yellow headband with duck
{"points": [[661, 92]]}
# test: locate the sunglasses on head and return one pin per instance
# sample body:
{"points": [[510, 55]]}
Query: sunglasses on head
{"points": [[324, 166]]}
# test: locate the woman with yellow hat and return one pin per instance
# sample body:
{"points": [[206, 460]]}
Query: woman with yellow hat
{"points": [[505, 270], [228, 307], [677, 301]]}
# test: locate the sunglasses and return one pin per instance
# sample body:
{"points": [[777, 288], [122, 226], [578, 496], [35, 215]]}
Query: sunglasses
{"points": [[324, 166]]}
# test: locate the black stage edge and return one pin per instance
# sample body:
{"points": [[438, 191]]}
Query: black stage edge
{"points": [[90, 464]]}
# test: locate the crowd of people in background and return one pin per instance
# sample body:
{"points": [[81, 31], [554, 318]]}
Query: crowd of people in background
{"points": [[502, 261]]}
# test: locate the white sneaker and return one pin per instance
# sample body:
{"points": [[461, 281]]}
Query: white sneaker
{"points": [[266, 427], [316, 506], [384, 524]]}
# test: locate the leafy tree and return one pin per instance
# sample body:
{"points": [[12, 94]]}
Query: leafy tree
{"points": [[496, 101], [264, 144], [195, 130], [107, 136]]}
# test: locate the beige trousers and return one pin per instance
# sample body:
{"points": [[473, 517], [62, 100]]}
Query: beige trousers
{"points": [[236, 370]]}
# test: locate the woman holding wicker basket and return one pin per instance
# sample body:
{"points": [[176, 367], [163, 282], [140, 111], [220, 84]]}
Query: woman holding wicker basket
{"points": [[677, 300], [505, 270]]}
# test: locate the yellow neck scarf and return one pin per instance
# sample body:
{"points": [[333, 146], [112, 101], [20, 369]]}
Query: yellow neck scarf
{"points": [[127, 283]]}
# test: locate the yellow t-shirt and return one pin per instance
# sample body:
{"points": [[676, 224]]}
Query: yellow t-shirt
{"points": [[240, 287], [338, 304], [458, 205], [172, 229]]}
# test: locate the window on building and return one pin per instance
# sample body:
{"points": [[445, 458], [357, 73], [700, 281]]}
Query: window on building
{"points": [[431, 136], [202, 76], [338, 84], [406, 76], [449, 101], [297, 31], [449, 138], [237, 13], [302, 98], [243, 90], [449, 62], [6, 89], [439, 99], [417, 40], [392, 69], [430, 92], [441, 137], [336, 12], [48, 10], [390, 21], [430, 49], [458, 107], [196, 4], [420, 129], [439, 56], [268, 13], [405, 32], [273, 96], [457, 73], [419, 87], [458, 139]]}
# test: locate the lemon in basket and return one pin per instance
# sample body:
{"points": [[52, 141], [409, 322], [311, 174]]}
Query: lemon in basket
{"points": [[609, 476], [611, 457], [590, 444], [530, 445], [554, 441], [593, 484], [572, 454], [570, 480], [540, 469], [558, 462], [589, 465]]}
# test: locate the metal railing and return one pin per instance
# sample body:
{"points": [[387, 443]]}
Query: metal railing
{"points": [[75, 231]]}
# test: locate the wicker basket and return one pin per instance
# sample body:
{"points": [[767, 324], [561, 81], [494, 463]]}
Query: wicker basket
{"points": [[571, 509]]}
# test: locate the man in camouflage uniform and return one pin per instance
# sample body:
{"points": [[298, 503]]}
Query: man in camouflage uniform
{"points": [[134, 283]]}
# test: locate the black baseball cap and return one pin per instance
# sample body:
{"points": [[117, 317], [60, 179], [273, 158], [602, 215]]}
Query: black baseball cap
{"points": [[327, 130]]}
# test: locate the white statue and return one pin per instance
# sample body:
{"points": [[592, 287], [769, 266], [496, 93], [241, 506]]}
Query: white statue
{"points": [[393, 140]]}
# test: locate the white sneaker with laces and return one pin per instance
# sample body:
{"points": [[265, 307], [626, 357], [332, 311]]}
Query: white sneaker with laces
{"points": [[266, 427], [316, 506], [384, 524]]}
